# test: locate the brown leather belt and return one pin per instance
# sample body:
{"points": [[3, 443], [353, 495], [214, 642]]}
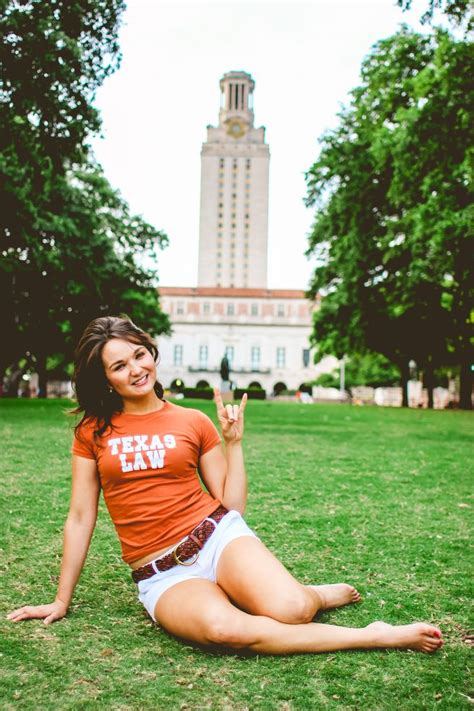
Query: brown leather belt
{"points": [[186, 552]]}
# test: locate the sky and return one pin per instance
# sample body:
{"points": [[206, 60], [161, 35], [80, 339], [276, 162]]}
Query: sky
{"points": [[304, 57]]}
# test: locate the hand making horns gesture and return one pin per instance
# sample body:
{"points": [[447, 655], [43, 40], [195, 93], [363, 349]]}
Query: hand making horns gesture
{"points": [[231, 417]]}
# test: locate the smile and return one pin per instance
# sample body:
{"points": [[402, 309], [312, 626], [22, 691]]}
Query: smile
{"points": [[141, 380]]}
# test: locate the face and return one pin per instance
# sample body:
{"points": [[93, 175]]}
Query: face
{"points": [[129, 368]]}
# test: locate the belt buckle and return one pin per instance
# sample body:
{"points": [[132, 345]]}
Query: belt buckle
{"points": [[178, 560]]}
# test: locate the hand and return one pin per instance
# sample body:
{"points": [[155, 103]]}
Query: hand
{"points": [[231, 417], [48, 613]]}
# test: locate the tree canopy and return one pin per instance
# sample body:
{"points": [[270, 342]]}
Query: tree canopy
{"points": [[394, 210], [71, 250], [457, 11]]}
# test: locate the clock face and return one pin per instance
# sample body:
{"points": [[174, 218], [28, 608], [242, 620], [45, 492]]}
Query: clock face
{"points": [[236, 128]]}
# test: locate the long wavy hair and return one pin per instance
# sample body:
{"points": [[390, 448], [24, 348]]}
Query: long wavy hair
{"points": [[95, 398]]}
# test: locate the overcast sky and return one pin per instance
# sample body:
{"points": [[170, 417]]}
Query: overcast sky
{"points": [[304, 57]]}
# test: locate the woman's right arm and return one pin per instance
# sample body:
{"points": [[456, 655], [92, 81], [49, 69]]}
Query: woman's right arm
{"points": [[78, 531]]}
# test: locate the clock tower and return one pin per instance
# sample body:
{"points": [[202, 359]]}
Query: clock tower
{"points": [[233, 229]]}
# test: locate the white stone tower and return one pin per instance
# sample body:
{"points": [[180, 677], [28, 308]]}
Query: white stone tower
{"points": [[233, 229]]}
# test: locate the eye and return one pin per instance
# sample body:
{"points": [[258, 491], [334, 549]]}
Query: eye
{"points": [[119, 367], [140, 354]]}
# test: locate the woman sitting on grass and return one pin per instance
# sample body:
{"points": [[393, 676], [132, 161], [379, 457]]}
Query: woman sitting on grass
{"points": [[201, 572]]}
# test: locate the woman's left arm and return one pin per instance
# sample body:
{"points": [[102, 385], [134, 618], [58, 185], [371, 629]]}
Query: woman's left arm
{"points": [[224, 473]]}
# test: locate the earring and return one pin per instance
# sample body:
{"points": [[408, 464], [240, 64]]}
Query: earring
{"points": [[111, 391]]}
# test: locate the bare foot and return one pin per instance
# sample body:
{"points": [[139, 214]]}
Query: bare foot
{"points": [[418, 636], [336, 595]]}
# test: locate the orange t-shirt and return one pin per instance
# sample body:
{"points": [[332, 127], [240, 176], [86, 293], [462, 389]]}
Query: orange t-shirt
{"points": [[147, 467]]}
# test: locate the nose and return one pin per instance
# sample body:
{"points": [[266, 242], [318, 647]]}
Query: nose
{"points": [[134, 367]]}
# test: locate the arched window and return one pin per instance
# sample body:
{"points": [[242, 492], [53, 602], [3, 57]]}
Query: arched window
{"points": [[202, 384]]}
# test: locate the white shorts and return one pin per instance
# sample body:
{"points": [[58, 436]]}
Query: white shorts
{"points": [[230, 527]]}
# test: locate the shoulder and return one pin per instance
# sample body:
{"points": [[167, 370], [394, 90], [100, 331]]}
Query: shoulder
{"points": [[190, 414], [84, 444], [85, 429]]}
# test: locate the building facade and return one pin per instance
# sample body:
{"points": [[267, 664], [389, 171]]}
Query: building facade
{"points": [[263, 332]]}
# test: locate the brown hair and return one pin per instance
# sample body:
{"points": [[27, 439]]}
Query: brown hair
{"points": [[94, 397]]}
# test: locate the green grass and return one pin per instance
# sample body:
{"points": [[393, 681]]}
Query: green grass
{"points": [[380, 498]]}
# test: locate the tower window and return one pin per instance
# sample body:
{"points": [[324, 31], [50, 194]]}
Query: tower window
{"points": [[254, 309], [230, 309], [247, 164], [221, 163], [281, 310], [206, 308]]}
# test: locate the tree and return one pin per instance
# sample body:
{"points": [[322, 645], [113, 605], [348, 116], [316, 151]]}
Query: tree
{"points": [[78, 271], [391, 191], [68, 239], [457, 11]]}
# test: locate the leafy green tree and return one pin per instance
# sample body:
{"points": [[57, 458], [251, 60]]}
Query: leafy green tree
{"points": [[457, 11], [370, 369], [69, 243], [79, 272], [391, 188]]}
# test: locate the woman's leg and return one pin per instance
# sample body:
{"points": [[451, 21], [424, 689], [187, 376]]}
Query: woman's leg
{"points": [[199, 611], [258, 583]]}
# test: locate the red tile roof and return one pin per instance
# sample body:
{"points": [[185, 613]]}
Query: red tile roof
{"points": [[229, 291]]}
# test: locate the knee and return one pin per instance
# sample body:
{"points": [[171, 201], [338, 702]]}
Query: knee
{"points": [[225, 631], [299, 608]]}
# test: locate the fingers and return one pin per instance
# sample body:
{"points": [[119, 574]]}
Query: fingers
{"points": [[24, 613], [35, 612], [232, 412], [236, 411], [218, 399], [52, 618]]}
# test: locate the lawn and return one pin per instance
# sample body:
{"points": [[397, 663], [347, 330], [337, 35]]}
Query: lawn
{"points": [[381, 498]]}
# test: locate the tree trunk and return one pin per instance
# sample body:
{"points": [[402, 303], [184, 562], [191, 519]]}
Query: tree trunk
{"points": [[404, 375], [465, 391], [42, 376], [429, 383]]}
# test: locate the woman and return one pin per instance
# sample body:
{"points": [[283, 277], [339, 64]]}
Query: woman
{"points": [[200, 570]]}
